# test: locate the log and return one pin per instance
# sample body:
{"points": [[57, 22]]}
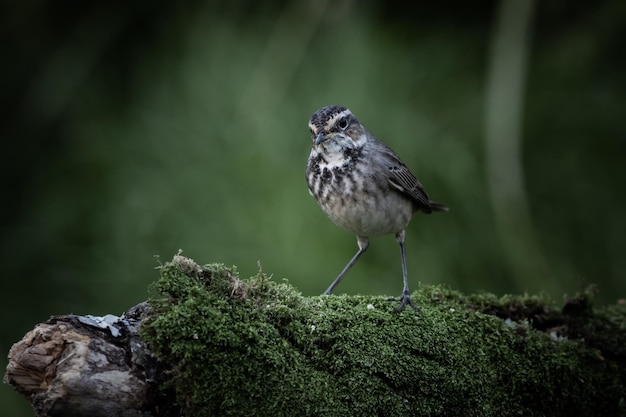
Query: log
{"points": [[211, 344], [85, 366]]}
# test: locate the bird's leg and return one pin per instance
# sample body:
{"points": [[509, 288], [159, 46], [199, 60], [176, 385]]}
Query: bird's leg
{"points": [[363, 243], [406, 294]]}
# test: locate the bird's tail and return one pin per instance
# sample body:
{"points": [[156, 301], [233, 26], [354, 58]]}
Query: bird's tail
{"points": [[435, 206]]}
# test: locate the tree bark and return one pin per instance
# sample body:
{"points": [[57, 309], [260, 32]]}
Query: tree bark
{"points": [[226, 346], [85, 366]]}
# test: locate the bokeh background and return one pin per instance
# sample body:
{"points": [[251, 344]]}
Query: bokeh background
{"points": [[136, 129]]}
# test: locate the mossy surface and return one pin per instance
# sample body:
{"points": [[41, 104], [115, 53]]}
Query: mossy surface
{"points": [[257, 347]]}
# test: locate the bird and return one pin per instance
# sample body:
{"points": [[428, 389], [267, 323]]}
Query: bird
{"points": [[363, 186]]}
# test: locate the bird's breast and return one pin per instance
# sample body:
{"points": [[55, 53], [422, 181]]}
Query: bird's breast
{"points": [[354, 198]]}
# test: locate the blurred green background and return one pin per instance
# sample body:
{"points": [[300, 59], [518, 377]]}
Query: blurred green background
{"points": [[132, 130]]}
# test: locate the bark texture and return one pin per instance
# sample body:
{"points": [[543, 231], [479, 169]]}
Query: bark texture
{"points": [[84, 366]]}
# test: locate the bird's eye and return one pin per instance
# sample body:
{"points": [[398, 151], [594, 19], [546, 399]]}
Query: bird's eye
{"points": [[343, 123]]}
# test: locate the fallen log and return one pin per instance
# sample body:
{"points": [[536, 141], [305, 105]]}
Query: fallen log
{"points": [[210, 344]]}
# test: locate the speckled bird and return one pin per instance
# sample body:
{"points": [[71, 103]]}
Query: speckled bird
{"points": [[362, 185]]}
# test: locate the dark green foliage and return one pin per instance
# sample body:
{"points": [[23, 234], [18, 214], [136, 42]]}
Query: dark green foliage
{"points": [[255, 347]]}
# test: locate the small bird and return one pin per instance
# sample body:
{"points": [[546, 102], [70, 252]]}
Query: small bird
{"points": [[362, 185]]}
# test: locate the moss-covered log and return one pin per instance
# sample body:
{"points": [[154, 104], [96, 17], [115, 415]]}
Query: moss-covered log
{"points": [[219, 345]]}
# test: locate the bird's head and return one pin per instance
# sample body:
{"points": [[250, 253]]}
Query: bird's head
{"points": [[334, 128]]}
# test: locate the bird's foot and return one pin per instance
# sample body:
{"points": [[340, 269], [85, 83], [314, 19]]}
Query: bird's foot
{"points": [[404, 300]]}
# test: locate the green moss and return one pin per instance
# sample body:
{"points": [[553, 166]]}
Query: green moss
{"points": [[257, 347]]}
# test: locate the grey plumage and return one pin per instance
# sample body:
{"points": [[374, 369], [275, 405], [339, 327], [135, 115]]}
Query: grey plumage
{"points": [[361, 184]]}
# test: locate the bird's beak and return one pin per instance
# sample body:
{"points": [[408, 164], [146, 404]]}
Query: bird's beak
{"points": [[321, 137]]}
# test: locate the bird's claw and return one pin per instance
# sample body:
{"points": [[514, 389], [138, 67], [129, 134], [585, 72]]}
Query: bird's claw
{"points": [[404, 300]]}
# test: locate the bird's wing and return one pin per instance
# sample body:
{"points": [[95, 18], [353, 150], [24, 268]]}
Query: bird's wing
{"points": [[403, 180]]}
